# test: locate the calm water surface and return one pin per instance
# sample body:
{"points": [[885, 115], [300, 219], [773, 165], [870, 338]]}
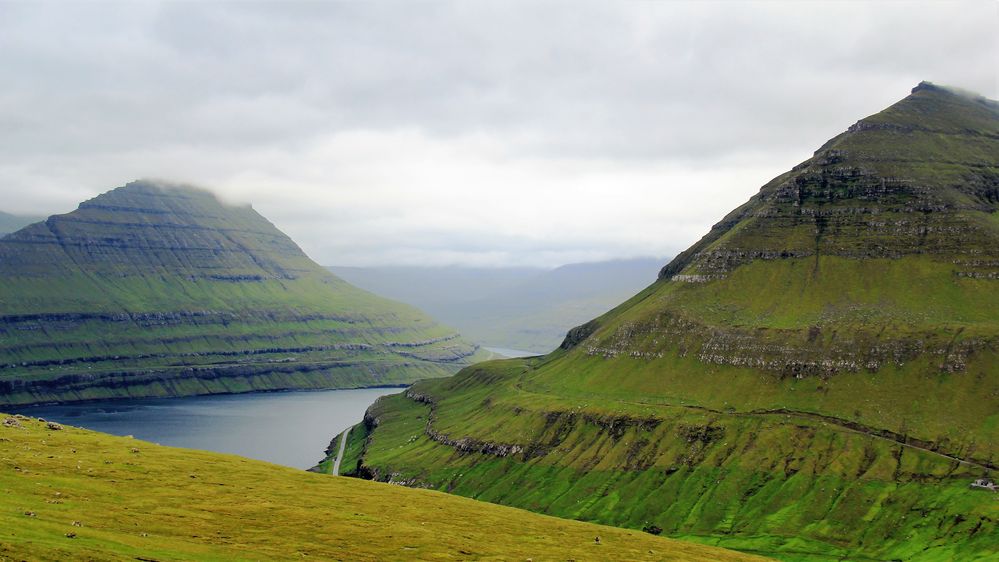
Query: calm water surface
{"points": [[289, 428]]}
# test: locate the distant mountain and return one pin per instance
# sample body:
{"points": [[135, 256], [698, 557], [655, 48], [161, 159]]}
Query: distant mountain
{"points": [[817, 378], [9, 223], [527, 309], [162, 290], [435, 287]]}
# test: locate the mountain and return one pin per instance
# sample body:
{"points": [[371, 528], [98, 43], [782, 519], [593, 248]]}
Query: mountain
{"points": [[429, 287], [817, 378], [163, 290], [71, 494], [518, 308], [9, 223]]}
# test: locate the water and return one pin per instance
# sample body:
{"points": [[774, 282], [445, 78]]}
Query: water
{"points": [[289, 428], [508, 352]]}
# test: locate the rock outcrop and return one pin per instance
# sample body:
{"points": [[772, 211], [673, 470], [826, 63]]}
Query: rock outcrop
{"points": [[816, 377]]}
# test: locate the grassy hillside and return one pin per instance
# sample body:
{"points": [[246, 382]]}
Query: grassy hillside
{"points": [[153, 290], [75, 494], [518, 308], [816, 378]]}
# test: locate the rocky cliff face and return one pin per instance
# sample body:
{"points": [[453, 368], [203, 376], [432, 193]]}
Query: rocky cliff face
{"points": [[909, 195], [817, 376], [157, 289], [919, 178]]}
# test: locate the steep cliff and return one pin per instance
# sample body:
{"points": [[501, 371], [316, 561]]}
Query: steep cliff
{"points": [[163, 290], [817, 377]]}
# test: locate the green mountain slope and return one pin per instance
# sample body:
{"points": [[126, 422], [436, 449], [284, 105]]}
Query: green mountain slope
{"points": [[816, 378], [71, 494], [154, 290]]}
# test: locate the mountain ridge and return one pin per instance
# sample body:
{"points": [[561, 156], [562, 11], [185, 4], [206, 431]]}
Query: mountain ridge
{"points": [[815, 378], [159, 290], [834, 154]]}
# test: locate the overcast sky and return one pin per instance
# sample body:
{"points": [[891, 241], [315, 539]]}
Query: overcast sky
{"points": [[462, 132]]}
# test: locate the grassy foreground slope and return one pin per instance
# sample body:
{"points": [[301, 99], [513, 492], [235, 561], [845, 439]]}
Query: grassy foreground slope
{"points": [[817, 378], [163, 290], [76, 494]]}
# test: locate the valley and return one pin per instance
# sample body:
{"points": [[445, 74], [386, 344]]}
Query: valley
{"points": [[670, 281], [524, 309]]}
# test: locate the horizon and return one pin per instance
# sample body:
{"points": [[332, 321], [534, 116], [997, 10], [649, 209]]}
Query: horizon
{"points": [[478, 135], [440, 266]]}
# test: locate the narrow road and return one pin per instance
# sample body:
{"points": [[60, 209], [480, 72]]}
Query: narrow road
{"points": [[339, 455]]}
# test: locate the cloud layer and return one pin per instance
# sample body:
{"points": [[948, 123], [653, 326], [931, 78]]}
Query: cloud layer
{"points": [[483, 133]]}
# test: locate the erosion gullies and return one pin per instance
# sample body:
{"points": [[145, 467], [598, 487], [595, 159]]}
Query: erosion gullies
{"points": [[816, 377], [163, 290]]}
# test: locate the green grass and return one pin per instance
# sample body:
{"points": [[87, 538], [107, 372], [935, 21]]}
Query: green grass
{"points": [[146, 286], [76, 494], [828, 388], [777, 484]]}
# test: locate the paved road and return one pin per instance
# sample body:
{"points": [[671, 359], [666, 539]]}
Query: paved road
{"points": [[339, 455]]}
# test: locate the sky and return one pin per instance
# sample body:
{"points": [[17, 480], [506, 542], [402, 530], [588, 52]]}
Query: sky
{"points": [[464, 132]]}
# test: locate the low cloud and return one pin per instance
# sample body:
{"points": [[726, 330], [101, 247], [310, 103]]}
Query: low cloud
{"points": [[486, 133]]}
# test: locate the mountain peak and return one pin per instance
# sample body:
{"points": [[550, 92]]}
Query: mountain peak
{"points": [[926, 85], [155, 289], [854, 297], [159, 195], [968, 95], [921, 165], [941, 109]]}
